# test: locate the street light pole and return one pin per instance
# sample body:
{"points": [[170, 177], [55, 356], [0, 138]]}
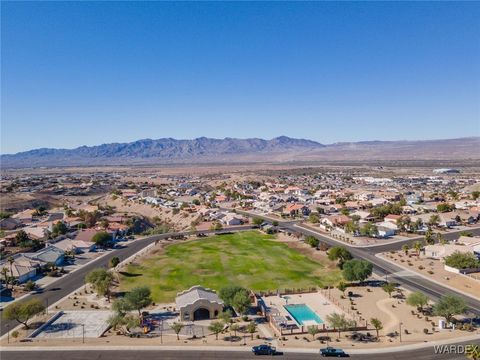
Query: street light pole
{"points": [[400, 325], [83, 333], [8, 333], [161, 331]]}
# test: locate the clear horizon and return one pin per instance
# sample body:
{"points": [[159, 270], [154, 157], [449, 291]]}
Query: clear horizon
{"points": [[89, 73], [269, 138]]}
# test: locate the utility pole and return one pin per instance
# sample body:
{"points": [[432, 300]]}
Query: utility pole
{"points": [[83, 333], [400, 325]]}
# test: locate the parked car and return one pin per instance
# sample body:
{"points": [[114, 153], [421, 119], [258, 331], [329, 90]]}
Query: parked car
{"points": [[332, 352], [264, 350]]}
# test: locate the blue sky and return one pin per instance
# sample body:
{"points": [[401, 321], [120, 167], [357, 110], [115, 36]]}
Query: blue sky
{"points": [[86, 73]]}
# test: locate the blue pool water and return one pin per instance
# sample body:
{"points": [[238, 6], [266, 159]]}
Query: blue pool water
{"points": [[302, 313]]}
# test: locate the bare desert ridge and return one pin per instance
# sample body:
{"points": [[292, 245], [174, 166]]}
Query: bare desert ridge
{"points": [[232, 150]]}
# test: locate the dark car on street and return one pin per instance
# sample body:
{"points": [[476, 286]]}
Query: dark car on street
{"points": [[264, 350], [332, 352]]}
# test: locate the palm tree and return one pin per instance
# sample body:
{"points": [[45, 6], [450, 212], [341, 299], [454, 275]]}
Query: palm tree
{"points": [[417, 246], [11, 260], [405, 248], [5, 276], [377, 324]]}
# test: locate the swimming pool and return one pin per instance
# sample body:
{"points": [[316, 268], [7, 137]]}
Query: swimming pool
{"points": [[303, 315]]}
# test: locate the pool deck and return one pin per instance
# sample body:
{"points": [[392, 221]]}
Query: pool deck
{"points": [[315, 301]]}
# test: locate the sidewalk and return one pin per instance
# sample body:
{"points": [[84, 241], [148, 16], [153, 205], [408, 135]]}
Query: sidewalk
{"points": [[380, 256], [240, 348]]}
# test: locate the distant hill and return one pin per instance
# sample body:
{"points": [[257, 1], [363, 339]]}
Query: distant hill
{"points": [[279, 149]]}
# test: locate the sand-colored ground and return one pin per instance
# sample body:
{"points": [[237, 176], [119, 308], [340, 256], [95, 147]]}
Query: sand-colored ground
{"points": [[435, 269], [180, 221]]}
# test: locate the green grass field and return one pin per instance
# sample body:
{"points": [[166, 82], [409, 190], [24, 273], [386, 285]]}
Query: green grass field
{"points": [[250, 259]]}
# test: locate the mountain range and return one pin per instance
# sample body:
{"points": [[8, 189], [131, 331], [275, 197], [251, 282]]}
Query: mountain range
{"points": [[208, 150]]}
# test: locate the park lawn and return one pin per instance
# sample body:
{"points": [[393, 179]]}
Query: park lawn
{"points": [[250, 259]]}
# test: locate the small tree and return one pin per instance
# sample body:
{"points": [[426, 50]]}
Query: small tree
{"points": [[234, 328], [342, 286], [357, 270], [241, 301], [139, 298], [389, 288], [102, 239], [377, 324], [312, 241], [448, 306], [177, 327], [339, 322], [275, 223], [257, 221], [418, 300], [114, 261], [23, 311], [405, 249], [460, 260], [216, 327], [251, 328], [339, 253], [226, 316], [313, 330], [313, 218], [101, 280], [30, 285], [123, 322]]}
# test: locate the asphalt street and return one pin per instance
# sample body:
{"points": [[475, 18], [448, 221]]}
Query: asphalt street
{"points": [[70, 282], [423, 354], [385, 268]]}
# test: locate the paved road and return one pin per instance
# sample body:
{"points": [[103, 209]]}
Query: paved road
{"points": [[382, 267], [70, 282], [424, 354]]}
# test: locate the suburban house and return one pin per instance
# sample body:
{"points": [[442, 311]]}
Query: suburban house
{"points": [[22, 268], [386, 229], [296, 209], [75, 246], [336, 220], [232, 219], [50, 254], [198, 303], [439, 251], [10, 224]]}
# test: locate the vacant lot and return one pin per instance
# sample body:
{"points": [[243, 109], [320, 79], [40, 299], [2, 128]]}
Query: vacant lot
{"points": [[250, 259]]}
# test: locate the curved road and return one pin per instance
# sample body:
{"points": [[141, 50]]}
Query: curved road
{"points": [[70, 282]]}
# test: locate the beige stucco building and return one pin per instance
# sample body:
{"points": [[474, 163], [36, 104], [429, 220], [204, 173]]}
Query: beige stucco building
{"points": [[198, 303]]}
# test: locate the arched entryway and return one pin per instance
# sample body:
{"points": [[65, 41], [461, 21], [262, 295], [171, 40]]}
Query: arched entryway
{"points": [[201, 314]]}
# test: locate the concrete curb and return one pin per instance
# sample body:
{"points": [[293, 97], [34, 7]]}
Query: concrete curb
{"points": [[426, 277], [53, 282], [306, 227], [384, 350]]}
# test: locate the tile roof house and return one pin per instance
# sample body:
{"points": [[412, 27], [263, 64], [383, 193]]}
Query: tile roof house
{"points": [[198, 303], [335, 220]]}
